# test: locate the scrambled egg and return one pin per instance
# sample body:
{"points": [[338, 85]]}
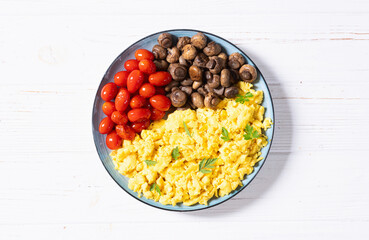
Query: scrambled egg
{"points": [[180, 181]]}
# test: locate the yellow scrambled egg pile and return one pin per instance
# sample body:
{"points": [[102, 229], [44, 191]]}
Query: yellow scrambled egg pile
{"points": [[172, 181]]}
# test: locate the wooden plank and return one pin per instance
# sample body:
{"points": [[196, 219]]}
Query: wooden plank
{"points": [[168, 230]]}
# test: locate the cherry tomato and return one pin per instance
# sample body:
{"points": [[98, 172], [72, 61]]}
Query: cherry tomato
{"points": [[142, 54], [156, 114], [139, 114], [160, 102], [109, 91], [139, 126], [135, 80], [125, 132], [147, 90], [137, 102], [120, 78], [122, 100], [160, 91], [113, 141], [131, 64], [119, 118], [106, 125], [108, 108], [160, 78], [147, 66]]}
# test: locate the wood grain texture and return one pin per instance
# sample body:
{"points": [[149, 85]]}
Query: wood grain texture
{"points": [[313, 55]]}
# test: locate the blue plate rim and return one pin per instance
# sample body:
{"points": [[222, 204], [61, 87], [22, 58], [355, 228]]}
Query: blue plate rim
{"points": [[208, 206]]}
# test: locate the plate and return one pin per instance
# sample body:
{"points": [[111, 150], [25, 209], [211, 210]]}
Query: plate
{"points": [[97, 115]]}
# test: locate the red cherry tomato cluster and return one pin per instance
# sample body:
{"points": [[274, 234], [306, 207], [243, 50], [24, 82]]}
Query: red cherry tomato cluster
{"points": [[134, 99]]}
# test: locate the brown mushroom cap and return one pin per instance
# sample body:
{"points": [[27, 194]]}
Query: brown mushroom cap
{"points": [[183, 61], [159, 52], [165, 40], [200, 60], [211, 100], [186, 89], [231, 92], [195, 73], [208, 88], [225, 78], [174, 89], [223, 56], [214, 82], [178, 98], [223, 63], [236, 60], [208, 75], [189, 52], [171, 85], [212, 49], [235, 76], [202, 91], [182, 41], [196, 84], [199, 40], [248, 73], [178, 71], [173, 55], [219, 91], [187, 82], [161, 65], [197, 100], [192, 106], [215, 64]]}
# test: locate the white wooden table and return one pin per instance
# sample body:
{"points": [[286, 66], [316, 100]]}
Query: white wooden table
{"points": [[314, 55]]}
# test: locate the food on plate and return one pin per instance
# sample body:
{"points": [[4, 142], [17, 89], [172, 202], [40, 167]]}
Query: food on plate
{"points": [[147, 90], [160, 78], [160, 102], [165, 40], [139, 114], [113, 140], [131, 64], [188, 73], [144, 54], [156, 114], [122, 100], [119, 118], [125, 132], [198, 66], [213, 132], [135, 80], [106, 125], [120, 78], [109, 91], [108, 108], [134, 99], [195, 155], [248, 73]]}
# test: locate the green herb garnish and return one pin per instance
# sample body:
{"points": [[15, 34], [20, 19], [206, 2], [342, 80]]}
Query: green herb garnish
{"points": [[155, 187], [150, 163], [244, 98], [204, 164], [225, 134], [175, 153], [251, 133], [186, 129]]}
